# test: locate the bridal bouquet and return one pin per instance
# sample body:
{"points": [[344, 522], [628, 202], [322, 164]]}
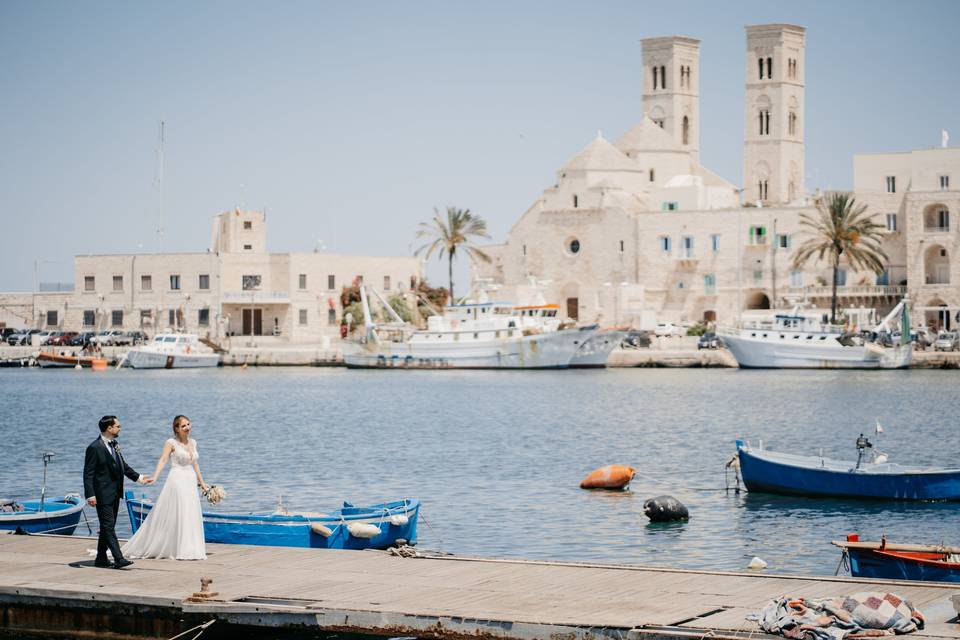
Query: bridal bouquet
{"points": [[215, 494]]}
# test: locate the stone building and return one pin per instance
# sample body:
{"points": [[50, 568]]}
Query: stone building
{"points": [[638, 231], [235, 288]]}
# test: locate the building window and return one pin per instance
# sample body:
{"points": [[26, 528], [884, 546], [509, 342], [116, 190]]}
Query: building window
{"points": [[574, 246], [715, 242], [762, 191], [765, 122], [118, 283], [89, 283], [146, 315], [783, 241], [250, 282], [686, 247], [944, 183], [116, 318], [331, 316], [943, 220], [796, 278], [883, 279], [891, 184], [670, 206], [175, 283], [203, 317], [891, 222], [524, 249], [386, 283], [247, 225], [663, 77], [841, 277], [757, 275], [146, 283], [203, 282], [710, 284], [331, 282], [302, 281], [665, 244], [51, 318], [89, 317], [303, 317], [652, 174], [792, 123], [769, 68], [248, 247], [758, 235], [576, 201], [760, 61], [686, 130], [172, 317], [621, 246], [658, 122], [656, 74]]}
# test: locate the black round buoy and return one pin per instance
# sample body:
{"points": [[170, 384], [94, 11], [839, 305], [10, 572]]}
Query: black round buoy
{"points": [[665, 509]]}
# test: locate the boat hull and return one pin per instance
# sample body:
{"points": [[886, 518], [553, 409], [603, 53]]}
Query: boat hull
{"points": [[756, 353], [143, 359], [897, 565], [594, 352], [298, 530], [53, 360], [769, 476], [552, 350], [59, 516]]}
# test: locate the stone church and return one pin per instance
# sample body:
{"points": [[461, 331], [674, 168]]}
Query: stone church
{"points": [[637, 230]]}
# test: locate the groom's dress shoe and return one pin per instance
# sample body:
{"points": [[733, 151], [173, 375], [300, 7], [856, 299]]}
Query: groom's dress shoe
{"points": [[121, 563], [103, 564]]}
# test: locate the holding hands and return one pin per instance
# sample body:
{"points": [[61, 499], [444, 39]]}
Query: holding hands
{"points": [[146, 480]]}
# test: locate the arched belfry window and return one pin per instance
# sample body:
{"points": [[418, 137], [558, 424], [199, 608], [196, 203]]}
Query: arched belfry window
{"points": [[655, 72], [686, 130], [769, 68], [760, 60], [792, 123], [764, 122], [663, 76]]}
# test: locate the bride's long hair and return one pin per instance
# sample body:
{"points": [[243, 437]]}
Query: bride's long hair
{"points": [[176, 425]]}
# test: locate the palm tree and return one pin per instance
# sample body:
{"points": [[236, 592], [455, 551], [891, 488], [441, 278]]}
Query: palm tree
{"points": [[456, 231], [842, 227]]}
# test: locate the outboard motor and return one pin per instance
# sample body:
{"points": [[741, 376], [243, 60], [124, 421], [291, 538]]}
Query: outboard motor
{"points": [[862, 445]]}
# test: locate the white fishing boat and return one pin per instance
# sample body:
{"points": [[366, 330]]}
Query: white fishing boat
{"points": [[595, 350], [797, 340], [172, 351], [484, 335]]}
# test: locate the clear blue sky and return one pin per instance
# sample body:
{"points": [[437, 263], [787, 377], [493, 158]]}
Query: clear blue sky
{"points": [[350, 121]]}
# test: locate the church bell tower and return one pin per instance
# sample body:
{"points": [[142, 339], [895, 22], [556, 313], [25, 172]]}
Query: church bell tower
{"points": [[671, 95]]}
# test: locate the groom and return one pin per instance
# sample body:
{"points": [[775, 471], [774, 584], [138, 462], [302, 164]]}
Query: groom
{"points": [[103, 471]]}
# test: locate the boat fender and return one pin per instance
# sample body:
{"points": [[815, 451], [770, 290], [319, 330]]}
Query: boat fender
{"points": [[399, 520], [757, 563], [363, 530], [321, 530], [612, 476], [665, 509]]}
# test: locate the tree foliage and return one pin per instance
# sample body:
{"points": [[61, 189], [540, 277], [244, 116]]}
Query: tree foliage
{"points": [[449, 235]]}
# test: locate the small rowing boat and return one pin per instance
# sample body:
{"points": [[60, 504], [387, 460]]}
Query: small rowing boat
{"points": [[376, 526], [889, 561], [42, 516]]}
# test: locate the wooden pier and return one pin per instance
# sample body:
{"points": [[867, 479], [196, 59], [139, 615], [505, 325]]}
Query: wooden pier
{"points": [[48, 584]]}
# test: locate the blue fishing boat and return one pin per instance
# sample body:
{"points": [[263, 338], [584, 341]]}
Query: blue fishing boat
{"points": [[791, 474], [376, 526], [59, 516], [889, 561]]}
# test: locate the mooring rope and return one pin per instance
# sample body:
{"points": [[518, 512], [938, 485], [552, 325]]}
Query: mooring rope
{"points": [[202, 627]]}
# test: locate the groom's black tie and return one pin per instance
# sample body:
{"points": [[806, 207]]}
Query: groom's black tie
{"points": [[113, 450]]}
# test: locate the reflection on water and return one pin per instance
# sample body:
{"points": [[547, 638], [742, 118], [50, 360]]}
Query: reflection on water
{"points": [[497, 457]]}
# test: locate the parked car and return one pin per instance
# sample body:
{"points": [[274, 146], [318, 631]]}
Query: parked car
{"points": [[110, 338], [635, 340], [666, 330], [709, 340], [46, 335], [24, 338], [62, 338], [947, 341], [82, 339], [6, 332], [136, 337]]}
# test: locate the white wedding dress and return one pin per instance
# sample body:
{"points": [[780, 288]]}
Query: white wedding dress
{"points": [[174, 526]]}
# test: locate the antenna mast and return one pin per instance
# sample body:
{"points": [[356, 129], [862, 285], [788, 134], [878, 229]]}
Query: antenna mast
{"points": [[160, 229]]}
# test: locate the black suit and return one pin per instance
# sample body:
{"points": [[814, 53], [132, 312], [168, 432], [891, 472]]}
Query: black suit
{"points": [[103, 479]]}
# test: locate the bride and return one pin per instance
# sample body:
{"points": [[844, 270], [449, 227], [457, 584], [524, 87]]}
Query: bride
{"points": [[174, 526]]}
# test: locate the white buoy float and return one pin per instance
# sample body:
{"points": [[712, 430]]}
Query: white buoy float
{"points": [[757, 563]]}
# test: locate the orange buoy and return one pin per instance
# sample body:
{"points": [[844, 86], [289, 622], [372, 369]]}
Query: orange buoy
{"points": [[612, 476], [98, 364]]}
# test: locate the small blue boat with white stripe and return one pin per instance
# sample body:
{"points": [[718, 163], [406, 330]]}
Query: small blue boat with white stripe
{"points": [[46, 515], [376, 526]]}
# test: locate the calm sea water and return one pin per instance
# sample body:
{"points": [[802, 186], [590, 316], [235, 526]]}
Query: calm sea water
{"points": [[497, 457]]}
